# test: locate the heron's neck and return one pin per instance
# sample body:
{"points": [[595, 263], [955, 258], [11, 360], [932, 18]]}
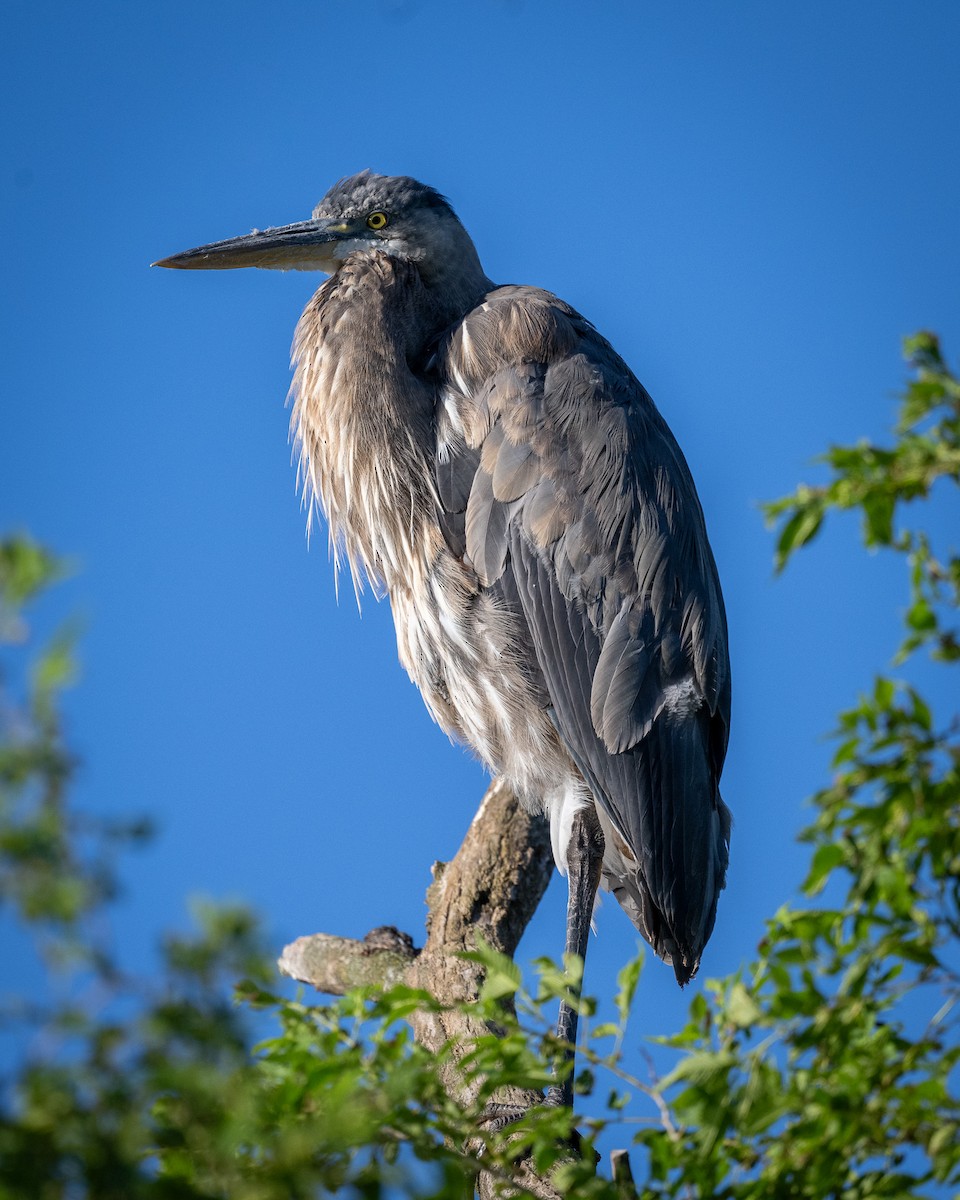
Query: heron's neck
{"points": [[453, 276], [363, 418]]}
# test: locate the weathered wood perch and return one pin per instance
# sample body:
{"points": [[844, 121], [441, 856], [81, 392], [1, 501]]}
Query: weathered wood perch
{"points": [[492, 887]]}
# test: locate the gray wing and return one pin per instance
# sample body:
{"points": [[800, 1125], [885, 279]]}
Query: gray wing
{"points": [[563, 488]]}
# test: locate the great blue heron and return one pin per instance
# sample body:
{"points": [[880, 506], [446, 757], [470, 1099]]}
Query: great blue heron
{"points": [[485, 456]]}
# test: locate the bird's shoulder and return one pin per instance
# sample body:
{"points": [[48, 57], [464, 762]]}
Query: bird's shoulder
{"points": [[515, 324], [536, 407], [526, 358]]}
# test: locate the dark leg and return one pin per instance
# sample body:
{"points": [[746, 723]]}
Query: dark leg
{"points": [[584, 859]]}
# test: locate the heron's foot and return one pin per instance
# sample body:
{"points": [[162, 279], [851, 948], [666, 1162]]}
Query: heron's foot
{"points": [[497, 1116], [559, 1095]]}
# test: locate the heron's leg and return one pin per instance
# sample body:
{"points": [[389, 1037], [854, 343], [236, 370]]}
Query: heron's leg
{"points": [[584, 860]]}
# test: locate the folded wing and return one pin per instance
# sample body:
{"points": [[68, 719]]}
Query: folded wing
{"points": [[564, 490]]}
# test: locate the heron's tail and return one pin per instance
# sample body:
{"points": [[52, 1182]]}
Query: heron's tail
{"points": [[668, 868]]}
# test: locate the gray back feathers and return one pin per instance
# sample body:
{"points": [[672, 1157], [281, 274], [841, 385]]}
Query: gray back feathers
{"points": [[583, 512]]}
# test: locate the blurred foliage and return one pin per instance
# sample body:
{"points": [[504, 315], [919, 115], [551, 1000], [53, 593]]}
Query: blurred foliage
{"points": [[826, 1068]]}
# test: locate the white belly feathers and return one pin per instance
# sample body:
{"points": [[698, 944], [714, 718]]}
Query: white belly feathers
{"points": [[461, 651]]}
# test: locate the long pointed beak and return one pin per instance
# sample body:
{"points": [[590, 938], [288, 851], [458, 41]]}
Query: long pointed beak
{"points": [[305, 246]]}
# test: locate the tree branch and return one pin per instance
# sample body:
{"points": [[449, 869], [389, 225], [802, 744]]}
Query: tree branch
{"points": [[335, 965], [491, 888]]}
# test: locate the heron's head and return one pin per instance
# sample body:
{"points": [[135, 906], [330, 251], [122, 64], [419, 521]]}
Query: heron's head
{"points": [[396, 214]]}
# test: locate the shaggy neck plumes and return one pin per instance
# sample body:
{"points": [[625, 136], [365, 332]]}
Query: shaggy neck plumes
{"points": [[362, 419]]}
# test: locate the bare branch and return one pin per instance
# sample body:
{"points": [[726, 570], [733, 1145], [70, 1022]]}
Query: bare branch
{"points": [[491, 888], [335, 964], [623, 1174]]}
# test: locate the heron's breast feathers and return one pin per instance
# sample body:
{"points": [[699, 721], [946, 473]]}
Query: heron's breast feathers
{"points": [[361, 420]]}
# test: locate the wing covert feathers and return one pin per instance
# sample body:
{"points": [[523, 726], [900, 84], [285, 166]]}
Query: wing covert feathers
{"points": [[562, 487]]}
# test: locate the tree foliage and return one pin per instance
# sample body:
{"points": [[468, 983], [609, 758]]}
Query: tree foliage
{"points": [[825, 1068]]}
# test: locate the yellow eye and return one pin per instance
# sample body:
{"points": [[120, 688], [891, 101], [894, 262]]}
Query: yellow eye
{"points": [[377, 220]]}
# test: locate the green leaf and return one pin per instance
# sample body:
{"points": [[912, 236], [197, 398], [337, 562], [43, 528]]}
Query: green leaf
{"points": [[700, 1067], [741, 1009], [878, 518], [502, 976], [627, 980], [826, 859], [607, 1029], [26, 568], [801, 528]]}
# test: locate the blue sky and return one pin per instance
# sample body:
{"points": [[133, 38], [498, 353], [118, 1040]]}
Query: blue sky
{"points": [[752, 201]]}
